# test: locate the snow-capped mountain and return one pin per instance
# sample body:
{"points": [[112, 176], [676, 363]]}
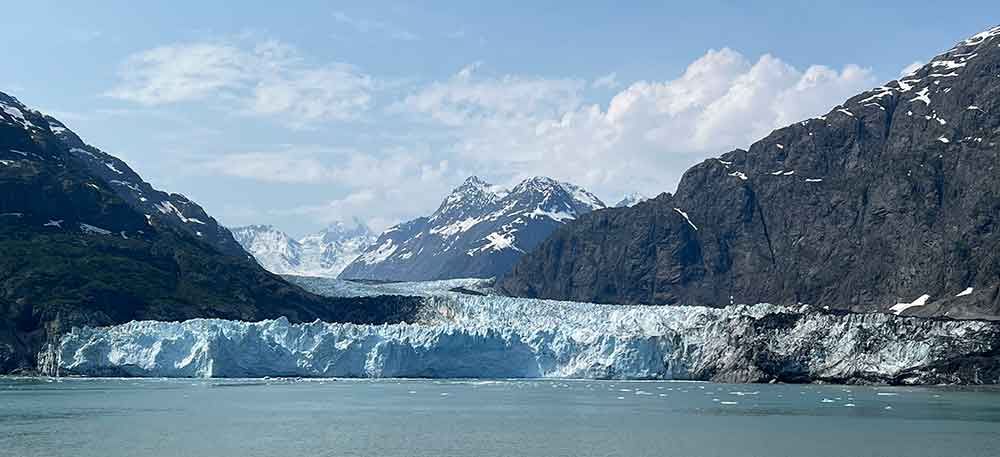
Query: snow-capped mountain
{"points": [[325, 253], [172, 209], [480, 230], [631, 199]]}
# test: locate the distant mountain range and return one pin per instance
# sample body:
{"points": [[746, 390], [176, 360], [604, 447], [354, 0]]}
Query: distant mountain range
{"points": [[631, 199], [480, 230], [84, 241], [890, 202], [322, 254]]}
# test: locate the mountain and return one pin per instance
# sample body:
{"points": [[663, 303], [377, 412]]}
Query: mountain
{"points": [[174, 210], [272, 248], [323, 254], [889, 202], [85, 241], [480, 230], [631, 199]]}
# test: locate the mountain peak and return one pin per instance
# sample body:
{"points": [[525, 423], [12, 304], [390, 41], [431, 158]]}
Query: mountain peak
{"points": [[479, 230], [474, 194], [323, 254], [630, 199]]}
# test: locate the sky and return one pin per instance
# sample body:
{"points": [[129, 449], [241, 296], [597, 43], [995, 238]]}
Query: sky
{"points": [[300, 114]]}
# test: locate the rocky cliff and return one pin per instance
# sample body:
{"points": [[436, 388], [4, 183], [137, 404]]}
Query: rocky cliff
{"points": [[889, 202]]}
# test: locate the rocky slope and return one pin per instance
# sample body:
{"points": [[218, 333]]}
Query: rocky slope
{"points": [[322, 254], [479, 231], [85, 241], [499, 337], [891, 198]]}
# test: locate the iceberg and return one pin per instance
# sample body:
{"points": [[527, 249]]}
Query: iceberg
{"points": [[500, 337]]}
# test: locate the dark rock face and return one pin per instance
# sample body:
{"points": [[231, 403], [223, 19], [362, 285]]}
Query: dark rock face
{"points": [[174, 210], [84, 241], [479, 231], [889, 197]]}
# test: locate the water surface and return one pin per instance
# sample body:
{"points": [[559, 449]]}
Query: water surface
{"points": [[184, 417]]}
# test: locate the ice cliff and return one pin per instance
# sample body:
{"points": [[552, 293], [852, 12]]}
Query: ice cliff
{"points": [[499, 337]]}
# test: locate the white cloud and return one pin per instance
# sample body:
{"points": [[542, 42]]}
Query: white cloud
{"points": [[382, 188], [466, 99], [502, 127], [650, 132], [909, 69], [269, 78], [273, 167], [373, 26], [608, 81]]}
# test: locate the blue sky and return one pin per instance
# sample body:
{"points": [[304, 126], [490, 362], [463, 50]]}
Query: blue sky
{"points": [[302, 115]]}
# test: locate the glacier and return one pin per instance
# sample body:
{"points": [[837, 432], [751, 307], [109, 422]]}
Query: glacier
{"points": [[332, 287], [458, 336]]}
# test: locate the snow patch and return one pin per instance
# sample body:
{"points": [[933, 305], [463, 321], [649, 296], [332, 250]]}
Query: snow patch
{"points": [[168, 208], [496, 242], [900, 307], [922, 96], [380, 254], [93, 230], [686, 218]]}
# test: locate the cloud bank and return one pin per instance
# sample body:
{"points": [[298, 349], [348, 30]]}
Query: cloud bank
{"points": [[501, 126]]}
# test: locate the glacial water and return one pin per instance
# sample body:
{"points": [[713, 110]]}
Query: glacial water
{"points": [[336, 417]]}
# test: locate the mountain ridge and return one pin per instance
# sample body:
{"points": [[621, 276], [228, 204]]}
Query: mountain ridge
{"points": [[887, 203], [479, 230], [86, 242], [322, 254]]}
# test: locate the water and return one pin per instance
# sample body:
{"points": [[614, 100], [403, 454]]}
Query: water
{"points": [[184, 417]]}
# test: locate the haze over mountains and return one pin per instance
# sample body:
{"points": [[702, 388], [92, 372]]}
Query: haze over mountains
{"points": [[323, 254], [475, 205], [890, 203]]}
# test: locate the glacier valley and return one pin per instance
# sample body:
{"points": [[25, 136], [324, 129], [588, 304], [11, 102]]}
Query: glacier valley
{"points": [[464, 336]]}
